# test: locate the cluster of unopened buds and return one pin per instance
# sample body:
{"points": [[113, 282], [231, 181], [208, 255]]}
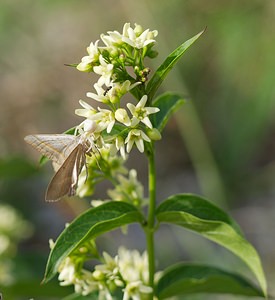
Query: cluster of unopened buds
{"points": [[120, 66]]}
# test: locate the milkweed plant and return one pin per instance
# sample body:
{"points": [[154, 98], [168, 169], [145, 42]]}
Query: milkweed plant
{"points": [[129, 115]]}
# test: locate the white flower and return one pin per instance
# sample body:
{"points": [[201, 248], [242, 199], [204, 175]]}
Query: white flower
{"points": [[104, 294], [93, 50], [141, 113], [114, 38], [136, 136], [134, 269], [105, 70], [120, 146], [82, 280], [101, 95], [132, 265], [126, 86], [113, 93], [136, 38], [86, 62], [110, 263], [87, 111], [12, 229], [120, 89], [105, 119], [67, 272], [134, 290]]}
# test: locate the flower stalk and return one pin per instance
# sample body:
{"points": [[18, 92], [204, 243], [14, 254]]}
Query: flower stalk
{"points": [[151, 217]]}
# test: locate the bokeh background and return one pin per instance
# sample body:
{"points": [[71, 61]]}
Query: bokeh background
{"points": [[220, 145]]}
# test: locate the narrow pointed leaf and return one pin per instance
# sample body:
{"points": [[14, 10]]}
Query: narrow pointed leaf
{"points": [[89, 225], [184, 279], [201, 216], [167, 65], [167, 103]]}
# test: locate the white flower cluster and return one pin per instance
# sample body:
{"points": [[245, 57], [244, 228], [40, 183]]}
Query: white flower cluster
{"points": [[127, 271], [112, 62], [117, 45], [12, 229]]}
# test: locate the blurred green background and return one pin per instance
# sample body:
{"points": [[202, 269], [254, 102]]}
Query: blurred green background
{"points": [[220, 145]]}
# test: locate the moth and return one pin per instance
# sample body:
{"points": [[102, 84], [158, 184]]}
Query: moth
{"points": [[68, 153]]}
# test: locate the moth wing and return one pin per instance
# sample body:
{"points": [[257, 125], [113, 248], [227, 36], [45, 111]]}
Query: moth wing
{"points": [[65, 179], [57, 147]]}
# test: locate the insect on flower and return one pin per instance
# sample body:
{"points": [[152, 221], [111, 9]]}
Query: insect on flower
{"points": [[68, 153]]}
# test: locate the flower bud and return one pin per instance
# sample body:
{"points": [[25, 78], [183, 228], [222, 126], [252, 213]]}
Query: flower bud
{"points": [[84, 67], [154, 134], [98, 275], [138, 30], [122, 116], [89, 126]]}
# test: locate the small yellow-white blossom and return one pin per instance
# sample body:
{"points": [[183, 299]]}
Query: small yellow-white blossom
{"points": [[136, 37], [87, 111], [101, 94], [140, 112], [105, 70], [134, 290], [105, 119], [67, 272], [136, 136], [118, 145], [112, 40], [86, 62]]}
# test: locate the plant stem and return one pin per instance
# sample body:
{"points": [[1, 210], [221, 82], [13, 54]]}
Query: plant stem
{"points": [[151, 218]]}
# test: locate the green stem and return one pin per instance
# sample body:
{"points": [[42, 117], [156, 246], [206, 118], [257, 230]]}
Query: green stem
{"points": [[151, 219]]}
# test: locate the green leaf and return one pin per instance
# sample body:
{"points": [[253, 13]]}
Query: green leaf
{"points": [[193, 278], [201, 216], [167, 103], [71, 65], [167, 65], [89, 225]]}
